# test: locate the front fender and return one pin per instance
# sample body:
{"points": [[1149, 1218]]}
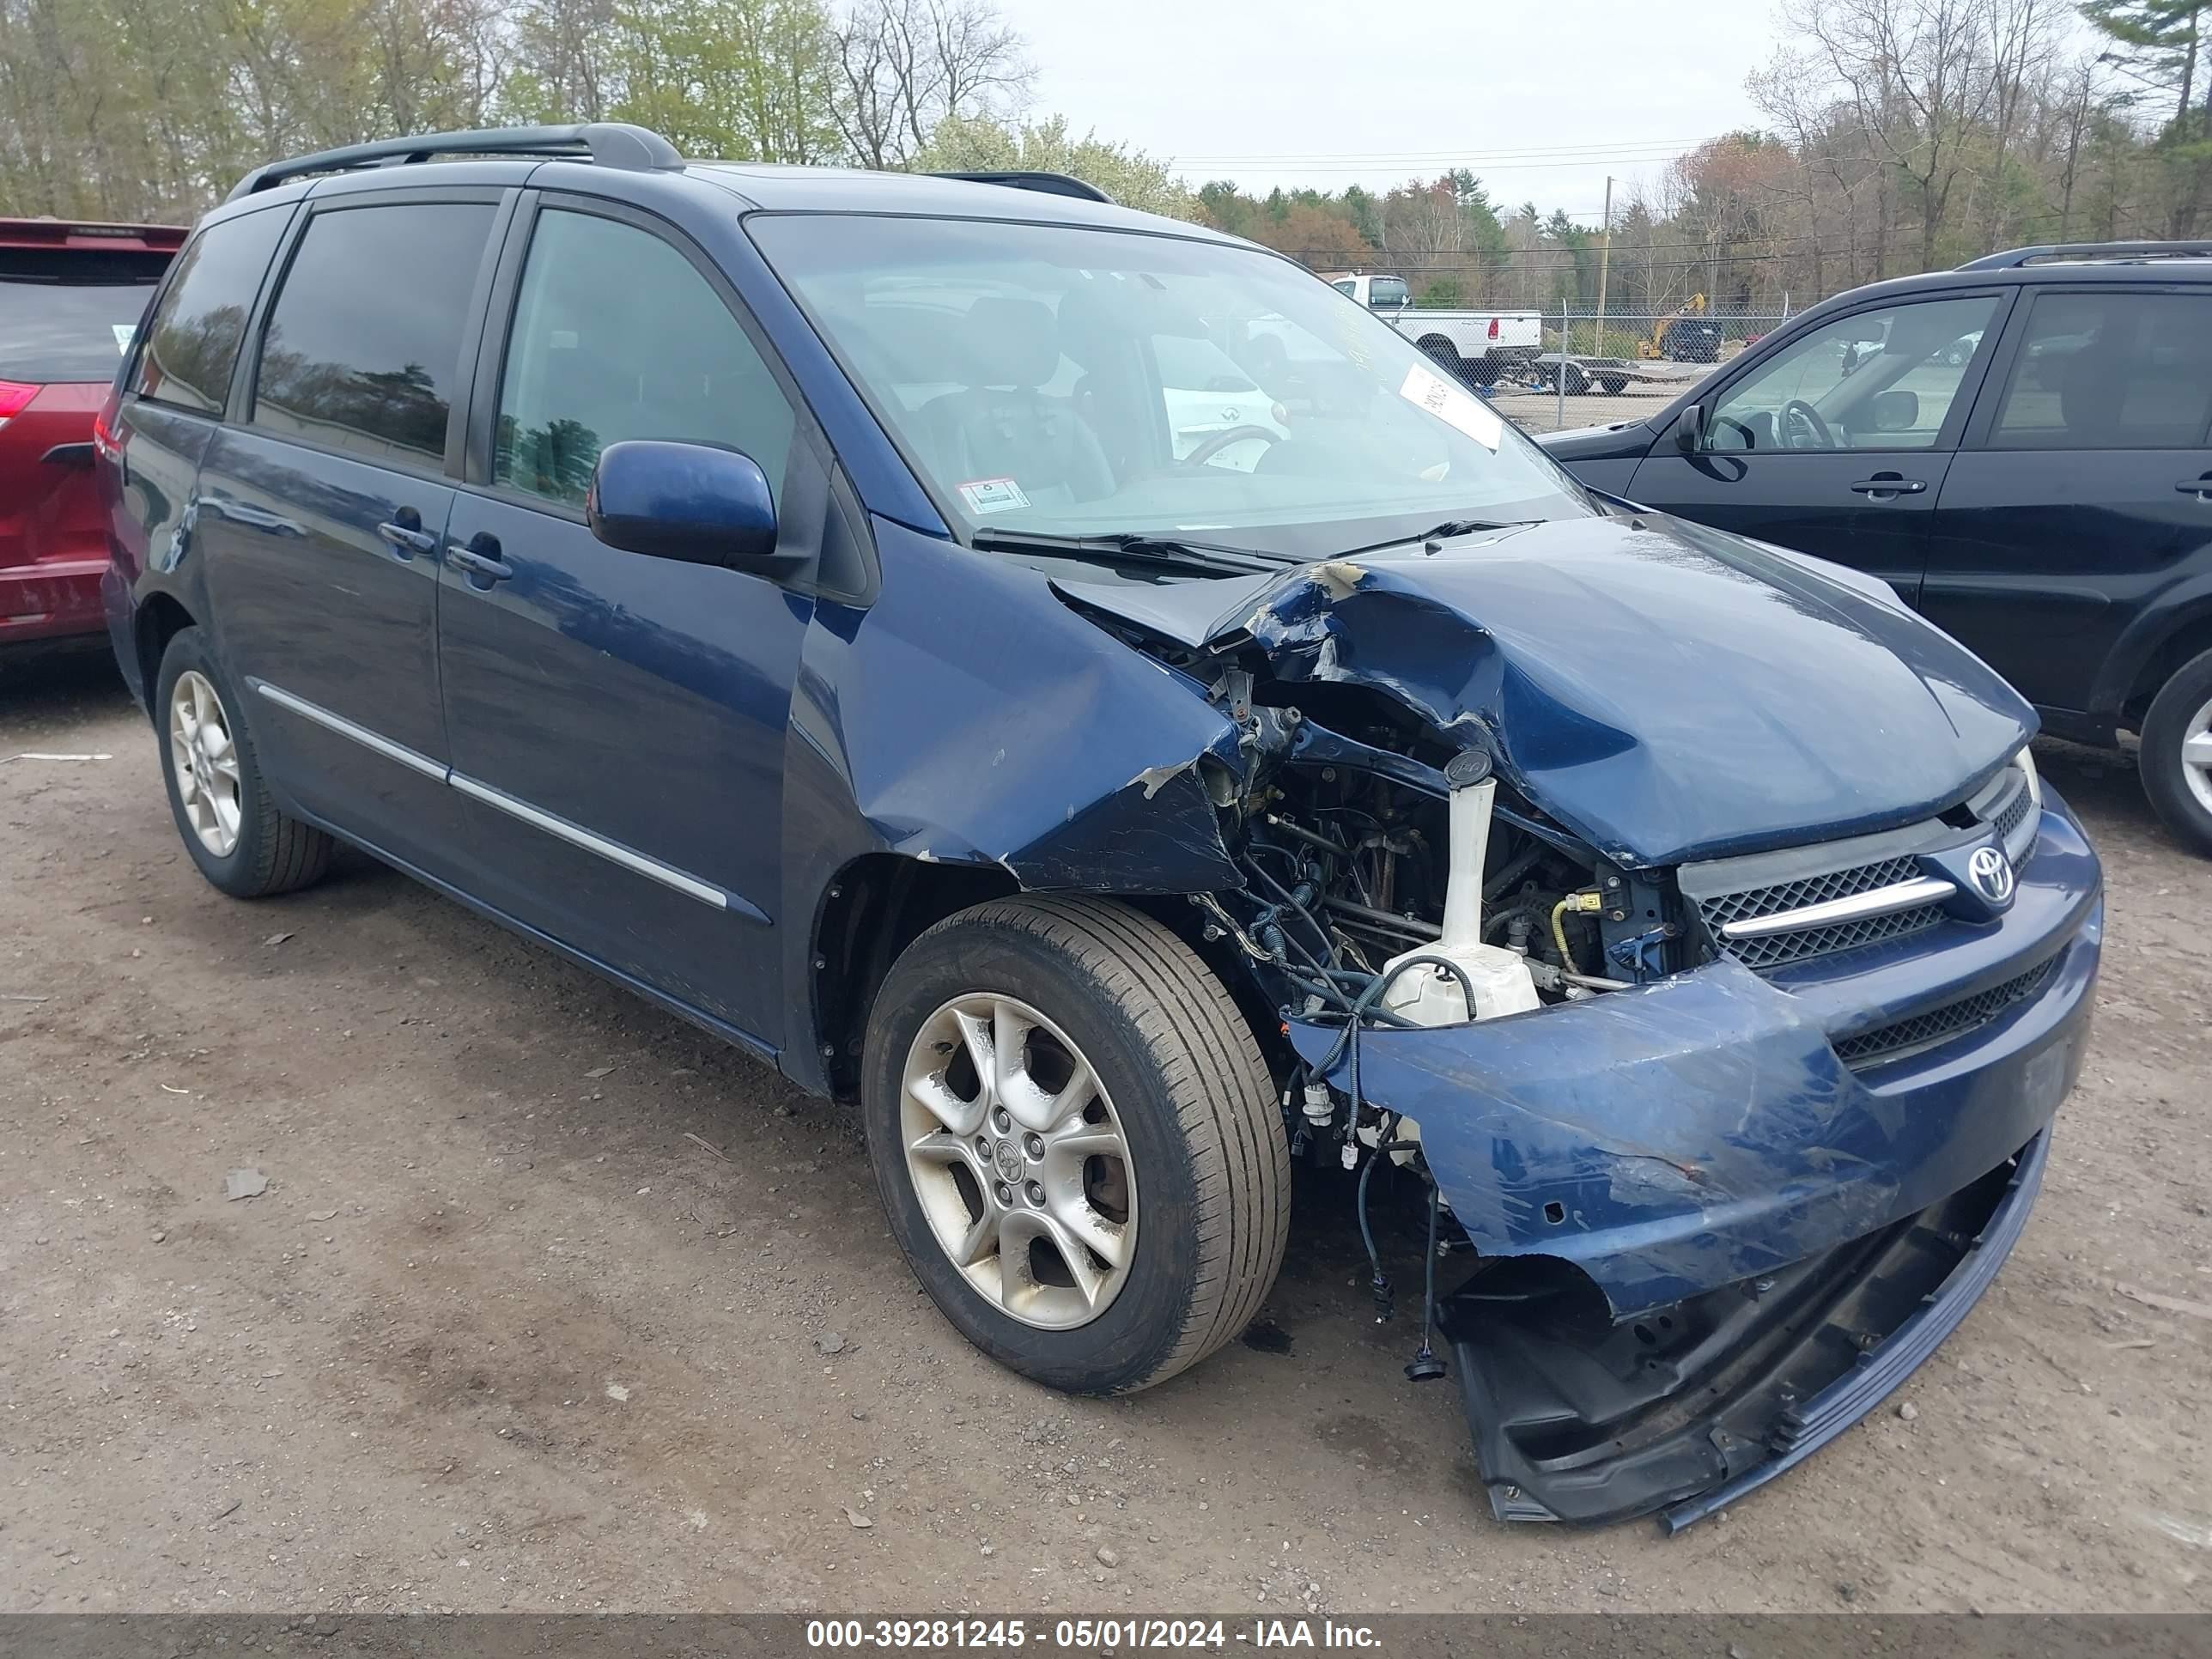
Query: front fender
{"points": [[2186, 605]]}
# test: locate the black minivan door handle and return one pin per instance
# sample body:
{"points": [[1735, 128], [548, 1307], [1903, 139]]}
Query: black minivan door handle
{"points": [[2199, 487], [1889, 486]]}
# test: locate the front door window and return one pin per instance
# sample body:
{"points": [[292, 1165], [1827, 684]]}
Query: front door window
{"points": [[1875, 380]]}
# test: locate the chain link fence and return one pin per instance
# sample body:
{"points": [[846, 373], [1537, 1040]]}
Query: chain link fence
{"points": [[1548, 370]]}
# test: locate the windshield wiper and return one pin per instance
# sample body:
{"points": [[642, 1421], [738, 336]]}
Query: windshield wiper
{"points": [[1131, 547], [1439, 532]]}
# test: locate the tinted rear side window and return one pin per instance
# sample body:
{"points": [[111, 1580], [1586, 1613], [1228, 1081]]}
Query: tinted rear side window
{"points": [[2111, 371], [192, 342], [362, 350], [61, 331]]}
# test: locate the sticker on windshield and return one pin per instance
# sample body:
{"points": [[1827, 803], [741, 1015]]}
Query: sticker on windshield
{"points": [[125, 333], [1454, 405], [993, 495]]}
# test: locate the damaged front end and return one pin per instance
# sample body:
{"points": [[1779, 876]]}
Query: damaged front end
{"points": [[1718, 1125]]}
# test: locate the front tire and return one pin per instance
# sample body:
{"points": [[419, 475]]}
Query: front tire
{"points": [[2177, 753], [1076, 1141], [231, 826]]}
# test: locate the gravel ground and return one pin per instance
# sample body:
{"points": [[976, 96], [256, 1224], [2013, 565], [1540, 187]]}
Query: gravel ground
{"points": [[502, 1333], [1538, 411]]}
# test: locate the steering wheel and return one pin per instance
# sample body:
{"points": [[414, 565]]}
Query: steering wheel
{"points": [[1800, 419], [1211, 446]]}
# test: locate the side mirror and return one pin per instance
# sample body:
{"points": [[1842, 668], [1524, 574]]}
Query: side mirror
{"points": [[1690, 429], [1895, 410], [693, 502]]}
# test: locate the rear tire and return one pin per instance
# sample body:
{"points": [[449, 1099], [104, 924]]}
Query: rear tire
{"points": [[2177, 753], [249, 848], [1203, 1177]]}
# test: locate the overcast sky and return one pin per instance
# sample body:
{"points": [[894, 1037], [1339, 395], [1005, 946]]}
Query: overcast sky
{"points": [[1542, 101]]}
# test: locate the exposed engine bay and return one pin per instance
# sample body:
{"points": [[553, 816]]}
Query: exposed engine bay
{"points": [[1648, 1205]]}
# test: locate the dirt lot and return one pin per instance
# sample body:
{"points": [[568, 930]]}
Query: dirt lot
{"points": [[1538, 411], [501, 1333]]}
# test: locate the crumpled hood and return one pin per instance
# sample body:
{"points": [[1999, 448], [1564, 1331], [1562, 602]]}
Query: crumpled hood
{"points": [[1665, 690]]}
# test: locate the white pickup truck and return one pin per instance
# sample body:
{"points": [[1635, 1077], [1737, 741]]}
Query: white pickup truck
{"points": [[1481, 346]]}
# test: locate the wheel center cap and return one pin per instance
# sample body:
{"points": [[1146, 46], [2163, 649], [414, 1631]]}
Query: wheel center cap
{"points": [[1007, 1157]]}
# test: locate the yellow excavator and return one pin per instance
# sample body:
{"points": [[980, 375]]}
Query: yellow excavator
{"points": [[1681, 340]]}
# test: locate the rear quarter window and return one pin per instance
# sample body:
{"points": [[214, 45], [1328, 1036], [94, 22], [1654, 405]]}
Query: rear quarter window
{"points": [[193, 337]]}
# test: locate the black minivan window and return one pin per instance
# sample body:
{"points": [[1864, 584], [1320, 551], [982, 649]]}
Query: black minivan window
{"points": [[617, 335], [362, 350], [191, 344], [2111, 371]]}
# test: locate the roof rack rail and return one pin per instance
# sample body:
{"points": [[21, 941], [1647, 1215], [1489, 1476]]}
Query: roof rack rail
{"points": [[604, 143], [2013, 258], [1049, 184]]}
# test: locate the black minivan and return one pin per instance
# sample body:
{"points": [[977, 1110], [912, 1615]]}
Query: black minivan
{"points": [[2021, 447]]}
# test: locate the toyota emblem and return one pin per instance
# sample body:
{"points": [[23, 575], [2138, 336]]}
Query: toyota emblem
{"points": [[1991, 871]]}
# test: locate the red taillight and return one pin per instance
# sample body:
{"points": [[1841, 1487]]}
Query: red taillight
{"points": [[1493, 328], [13, 394], [103, 424]]}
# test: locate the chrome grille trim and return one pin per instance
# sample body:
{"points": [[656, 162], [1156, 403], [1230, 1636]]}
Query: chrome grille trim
{"points": [[1858, 906], [1733, 917]]}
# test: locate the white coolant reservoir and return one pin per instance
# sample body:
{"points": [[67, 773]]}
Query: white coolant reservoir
{"points": [[1431, 995]]}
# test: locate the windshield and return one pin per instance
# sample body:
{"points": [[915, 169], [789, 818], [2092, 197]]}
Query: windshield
{"points": [[1065, 381]]}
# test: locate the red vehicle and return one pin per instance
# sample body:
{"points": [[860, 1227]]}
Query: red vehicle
{"points": [[70, 298]]}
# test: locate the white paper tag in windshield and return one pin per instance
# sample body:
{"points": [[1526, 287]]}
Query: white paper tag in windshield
{"points": [[125, 333], [1454, 405], [993, 495]]}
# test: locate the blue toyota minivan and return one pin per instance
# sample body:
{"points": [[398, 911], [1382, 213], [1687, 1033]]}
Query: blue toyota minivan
{"points": [[1073, 684]]}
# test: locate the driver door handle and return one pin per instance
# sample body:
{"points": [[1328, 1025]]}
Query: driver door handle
{"points": [[1889, 486], [2200, 487]]}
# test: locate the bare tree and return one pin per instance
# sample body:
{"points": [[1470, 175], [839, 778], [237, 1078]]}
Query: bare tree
{"points": [[904, 65], [1917, 76]]}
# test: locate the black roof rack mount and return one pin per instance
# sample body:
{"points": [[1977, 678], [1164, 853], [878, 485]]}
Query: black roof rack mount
{"points": [[1050, 184], [604, 143], [2013, 258]]}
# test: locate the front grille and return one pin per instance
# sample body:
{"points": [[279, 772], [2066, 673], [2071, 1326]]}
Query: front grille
{"points": [[2012, 814], [1940, 1024], [1773, 948]]}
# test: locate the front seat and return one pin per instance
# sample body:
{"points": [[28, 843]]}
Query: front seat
{"points": [[2092, 389], [999, 425]]}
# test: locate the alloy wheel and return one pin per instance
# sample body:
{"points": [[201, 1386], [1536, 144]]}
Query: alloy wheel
{"points": [[1018, 1161], [204, 758], [2197, 755]]}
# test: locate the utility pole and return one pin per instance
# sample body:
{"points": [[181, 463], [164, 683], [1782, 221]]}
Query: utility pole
{"points": [[1604, 259]]}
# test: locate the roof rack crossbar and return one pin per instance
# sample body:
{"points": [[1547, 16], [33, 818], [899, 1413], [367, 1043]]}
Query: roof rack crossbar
{"points": [[1049, 184], [2013, 258], [604, 143]]}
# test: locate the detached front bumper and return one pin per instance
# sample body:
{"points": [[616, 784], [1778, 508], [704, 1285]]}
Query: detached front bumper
{"points": [[1674, 1194]]}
